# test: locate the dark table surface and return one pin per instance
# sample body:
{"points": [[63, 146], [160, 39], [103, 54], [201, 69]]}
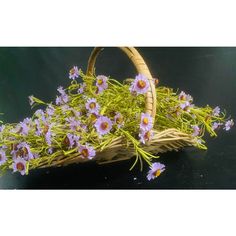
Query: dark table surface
{"points": [[208, 74]]}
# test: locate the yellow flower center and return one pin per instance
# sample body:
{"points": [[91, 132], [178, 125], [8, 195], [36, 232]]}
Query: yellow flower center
{"points": [[157, 173], [85, 152], [145, 120], [141, 84], [20, 166], [92, 105], [119, 120], [100, 81], [104, 125], [72, 71]]}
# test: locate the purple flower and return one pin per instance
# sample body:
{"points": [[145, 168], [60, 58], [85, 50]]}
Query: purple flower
{"points": [[38, 131], [48, 137], [185, 97], [140, 85], [228, 125], [63, 98], [155, 170], [40, 114], [70, 140], [101, 83], [81, 88], [196, 130], [2, 127], [87, 151], [146, 136], [22, 128], [216, 125], [103, 125], [3, 157], [31, 100], [92, 106], [74, 124], [185, 106], [24, 151], [19, 165], [216, 111], [50, 110], [119, 120], [50, 150], [74, 73], [146, 122]]}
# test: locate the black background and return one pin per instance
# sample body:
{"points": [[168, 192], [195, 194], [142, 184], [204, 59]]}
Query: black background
{"points": [[208, 74]]}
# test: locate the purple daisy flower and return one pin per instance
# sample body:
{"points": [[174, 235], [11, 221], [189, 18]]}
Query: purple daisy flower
{"points": [[3, 157], [48, 137], [50, 150], [23, 128], [185, 97], [2, 127], [216, 111], [24, 151], [185, 106], [81, 88], [216, 125], [140, 85], [74, 73], [146, 136], [74, 124], [196, 130], [228, 125], [146, 122], [155, 170], [40, 114], [50, 110], [70, 140], [92, 106], [31, 100], [101, 83], [61, 90], [119, 120], [19, 165], [87, 151], [63, 98], [103, 125]]}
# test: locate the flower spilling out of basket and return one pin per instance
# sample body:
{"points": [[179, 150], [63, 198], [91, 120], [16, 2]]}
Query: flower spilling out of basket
{"points": [[96, 115]]}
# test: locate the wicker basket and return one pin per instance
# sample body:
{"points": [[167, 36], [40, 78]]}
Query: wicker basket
{"points": [[118, 149]]}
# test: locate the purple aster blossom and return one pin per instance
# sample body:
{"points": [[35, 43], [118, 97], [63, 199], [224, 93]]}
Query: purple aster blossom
{"points": [[3, 157], [146, 122], [196, 130], [61, 90], [87, 151], [185, 106], [70, 140], [81, 88], [103, 125], [216, 111], [23, 128], [24, 151], [65, 108], [62, 99], [40, 114], [185, 97], [2, 127], [48, 137], [119, 120], [146, 136], [31, 100], [228, 125], [140, 85], [19, 165], [92, 106], [74, 124], [38, 131], [74, 73], [50, 150], [216, 125], [50, 110], [101, 83], [155, 170]]}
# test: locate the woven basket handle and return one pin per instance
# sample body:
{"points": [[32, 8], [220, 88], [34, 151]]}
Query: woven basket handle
{"points": [[141, 68]]}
